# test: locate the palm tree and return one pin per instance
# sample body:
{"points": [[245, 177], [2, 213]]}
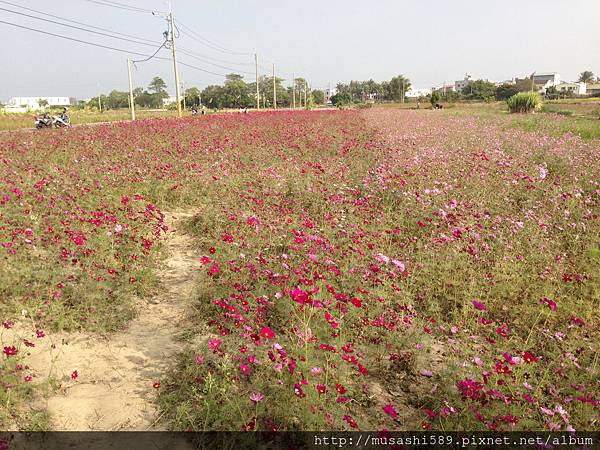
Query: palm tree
{"points": [[586, 76]]}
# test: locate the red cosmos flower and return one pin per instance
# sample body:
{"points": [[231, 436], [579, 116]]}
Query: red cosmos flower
{"points": [[503, 330], [529, 358], [156, 385], [350, 421], [74, 375], [298, 390], [205, 260], [478, 305], [340, 388], [356, 302], [577, 321], [244, 369], [7, 324], [430, 413], [27, 378], [551, 303], [10, 350], [342, 399], [390, 411], [267, 333], [212, 250], [40, 333], [214, 269], [321, 388]]}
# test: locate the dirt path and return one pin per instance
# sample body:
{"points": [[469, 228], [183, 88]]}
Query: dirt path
{"points": [[114, 388]]}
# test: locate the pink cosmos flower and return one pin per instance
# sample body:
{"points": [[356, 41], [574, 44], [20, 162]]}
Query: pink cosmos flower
{"points": [[257, 397], [550, 303], [199, 359], [215, 344], [10, 350], [390, 411], [478, 305], [267, 333]]}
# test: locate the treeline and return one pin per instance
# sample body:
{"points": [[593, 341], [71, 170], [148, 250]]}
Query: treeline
{"points": [[235, 92], [373, 91]]}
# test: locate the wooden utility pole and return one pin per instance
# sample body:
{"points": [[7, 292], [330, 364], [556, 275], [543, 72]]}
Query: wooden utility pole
{"points": [[274, 89], [532, 81], [305, 89], [293, 92], [257, 91], [130, 90], [177, 87], [99, 98]]}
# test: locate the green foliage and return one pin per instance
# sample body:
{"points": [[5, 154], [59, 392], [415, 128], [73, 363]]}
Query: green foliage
{"points": [[480, 90], [506, 91], [524, 102], [158, 86], [586, 76], [435, 97]]}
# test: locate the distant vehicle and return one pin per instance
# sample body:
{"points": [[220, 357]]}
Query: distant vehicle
{"points": [[43, 121], [61, 120]]}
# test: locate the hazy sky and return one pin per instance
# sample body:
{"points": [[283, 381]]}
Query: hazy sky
{"points": [[326, 41]]}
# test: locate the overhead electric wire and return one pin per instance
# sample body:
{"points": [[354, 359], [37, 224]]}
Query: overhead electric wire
{"points": [[151, 56], [108, 47], [194, 35], [191, 55], [77, 28], [72, 39], [80, 23], [121, 6]]}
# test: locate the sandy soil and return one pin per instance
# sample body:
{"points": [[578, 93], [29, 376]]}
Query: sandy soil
{"points": [[114, 388]]}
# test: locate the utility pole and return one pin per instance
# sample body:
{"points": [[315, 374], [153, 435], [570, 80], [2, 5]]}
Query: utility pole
{"points": [[99, 98], [402, 92], [532, 80], [274, 89], [177, 87], [257, 92], [305, 89], [130, 90], [293, 91]]}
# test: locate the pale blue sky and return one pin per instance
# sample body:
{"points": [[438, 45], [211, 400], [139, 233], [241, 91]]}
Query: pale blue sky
{"points": [[325, 41]]}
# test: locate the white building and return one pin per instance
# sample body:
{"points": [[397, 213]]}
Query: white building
{"points": [[459, 85], [26, 104], [416, 93], [169, 101], [573, 88], [543, 78]]}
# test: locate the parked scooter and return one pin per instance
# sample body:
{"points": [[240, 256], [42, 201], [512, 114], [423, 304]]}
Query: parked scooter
{"points": [[62, 120], [43, 121]]}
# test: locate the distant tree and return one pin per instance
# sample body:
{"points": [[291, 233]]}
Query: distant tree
{"points": [[137, 91], [318, 96], [342, 98], [479, 90], [42, 102], [192, 96], [398, 87], [505, 91], [586, 76], [213, 96], [435, 98], [116, 100], [158, 86]]}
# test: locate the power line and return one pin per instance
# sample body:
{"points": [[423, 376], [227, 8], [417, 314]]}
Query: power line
{"points": [[194, 35], [191, 55], [120, 6], [107, 47], [73, 39], [76, 28], [80, 23], [151, 56]]}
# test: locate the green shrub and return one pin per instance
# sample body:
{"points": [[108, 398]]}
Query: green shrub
{"points": [[524, 102]]}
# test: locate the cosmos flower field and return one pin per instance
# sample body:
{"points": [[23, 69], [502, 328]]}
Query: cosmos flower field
{"points": [[368, 269]]}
